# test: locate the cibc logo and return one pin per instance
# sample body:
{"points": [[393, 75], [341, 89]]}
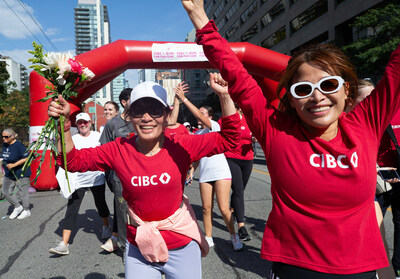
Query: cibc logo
{"points": [[329, 161], [150, 180]]}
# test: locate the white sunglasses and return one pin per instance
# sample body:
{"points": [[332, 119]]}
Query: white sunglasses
{"points": [[326, 85]]}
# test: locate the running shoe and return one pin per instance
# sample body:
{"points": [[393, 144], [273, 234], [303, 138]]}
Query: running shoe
{"points": [[16, 212], [24, 214], [111, 245], [236, 243], [60, 249], [210, 241], [243, 235]]}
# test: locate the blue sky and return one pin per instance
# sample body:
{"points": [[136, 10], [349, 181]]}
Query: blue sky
{"points": [[162, 20]]}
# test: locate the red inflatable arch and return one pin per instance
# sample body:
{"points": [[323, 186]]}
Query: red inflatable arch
{"points": [[109, 61]]}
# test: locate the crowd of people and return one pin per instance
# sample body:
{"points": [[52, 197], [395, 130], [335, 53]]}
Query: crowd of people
{"points": [[325, 146]]}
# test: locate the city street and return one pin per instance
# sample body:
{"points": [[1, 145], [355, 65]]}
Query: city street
{"points": [[25, 243]]}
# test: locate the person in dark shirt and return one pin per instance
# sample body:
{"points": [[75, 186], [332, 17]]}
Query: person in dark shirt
{"points": [[13, 156]]}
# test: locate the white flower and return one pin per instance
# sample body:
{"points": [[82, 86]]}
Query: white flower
{"points": [[52, 59], [63, 66], [88, 73]]}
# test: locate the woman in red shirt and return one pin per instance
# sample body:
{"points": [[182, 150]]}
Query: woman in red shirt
{"points": [[152, 169], [322, 161]]}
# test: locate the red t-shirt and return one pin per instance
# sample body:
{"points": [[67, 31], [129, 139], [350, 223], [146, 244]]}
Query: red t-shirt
{"points": [[387, 155], [245, 149], [323, 214], [153, 186], [180, 130]]}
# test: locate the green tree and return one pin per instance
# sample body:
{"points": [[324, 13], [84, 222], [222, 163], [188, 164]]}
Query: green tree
{"points": [[371, 53], [4, 76], [15, 110]]}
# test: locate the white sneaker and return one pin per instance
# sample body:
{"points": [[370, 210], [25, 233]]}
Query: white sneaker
{"points": [[106, 232], [24, 214], [60, 249], [16, 212], [210, 241], [111, 245], [237, 245]]}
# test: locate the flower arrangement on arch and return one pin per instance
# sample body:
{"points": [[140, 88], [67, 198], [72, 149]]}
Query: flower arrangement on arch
{"points": [[65, 75]]}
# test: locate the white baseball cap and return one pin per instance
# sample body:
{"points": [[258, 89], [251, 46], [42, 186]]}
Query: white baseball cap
{"points": [[83, 116], [186, 124], [149, 89]]}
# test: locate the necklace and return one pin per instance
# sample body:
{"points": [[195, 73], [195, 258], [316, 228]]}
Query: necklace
{"points": [[152, 152]]}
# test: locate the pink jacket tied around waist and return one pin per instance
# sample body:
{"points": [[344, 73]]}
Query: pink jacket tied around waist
{"points": [[150, 241]]}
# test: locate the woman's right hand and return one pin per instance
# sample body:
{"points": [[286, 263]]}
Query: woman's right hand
{"points": [[59, 106]]}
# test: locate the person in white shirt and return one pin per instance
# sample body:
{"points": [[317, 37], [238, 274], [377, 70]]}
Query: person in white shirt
{"points": [[94, 180]]}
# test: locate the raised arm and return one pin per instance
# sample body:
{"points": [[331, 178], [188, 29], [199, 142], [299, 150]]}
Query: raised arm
{"points": [[220, 87], [243, 89], [56, 109], [195, 10], [173, 118], [180, 92]]}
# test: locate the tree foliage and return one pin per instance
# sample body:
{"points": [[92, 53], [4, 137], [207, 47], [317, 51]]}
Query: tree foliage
{"points": [[15, 109], [370, 54], [4, 76]]}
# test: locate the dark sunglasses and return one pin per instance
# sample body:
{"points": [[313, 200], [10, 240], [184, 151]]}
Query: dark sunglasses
{"points": [[326, 85], [153, 111], [6, 137]]}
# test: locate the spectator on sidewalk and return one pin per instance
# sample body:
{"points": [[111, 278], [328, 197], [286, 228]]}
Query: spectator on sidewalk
{"points": [[13, 157], [93, 180]]}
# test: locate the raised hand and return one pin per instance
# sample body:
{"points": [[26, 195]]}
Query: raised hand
{"points": [[195, 10], [190, 5], [218, 84], [180, 90]]}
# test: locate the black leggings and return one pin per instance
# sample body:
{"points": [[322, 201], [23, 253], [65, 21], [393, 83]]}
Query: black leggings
{"points": [[240, 171], [286, 271], [74, 203]]}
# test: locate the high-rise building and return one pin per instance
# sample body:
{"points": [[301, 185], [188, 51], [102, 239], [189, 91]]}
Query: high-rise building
{"points": [[169, 80], [92, 30], [287, 25], [147, 75], [18, 73]]}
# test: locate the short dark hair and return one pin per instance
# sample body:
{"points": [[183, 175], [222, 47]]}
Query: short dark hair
{"points": [[125, 95]]}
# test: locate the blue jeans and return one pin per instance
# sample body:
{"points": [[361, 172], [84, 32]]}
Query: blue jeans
{"points": [[392, 198]]}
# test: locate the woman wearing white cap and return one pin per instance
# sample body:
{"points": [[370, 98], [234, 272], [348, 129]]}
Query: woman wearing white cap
{"points": [[94, 180], [152, 169]]}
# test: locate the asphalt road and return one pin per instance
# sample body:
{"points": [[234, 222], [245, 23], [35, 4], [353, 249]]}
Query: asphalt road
{"points": [[25, 243]]}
